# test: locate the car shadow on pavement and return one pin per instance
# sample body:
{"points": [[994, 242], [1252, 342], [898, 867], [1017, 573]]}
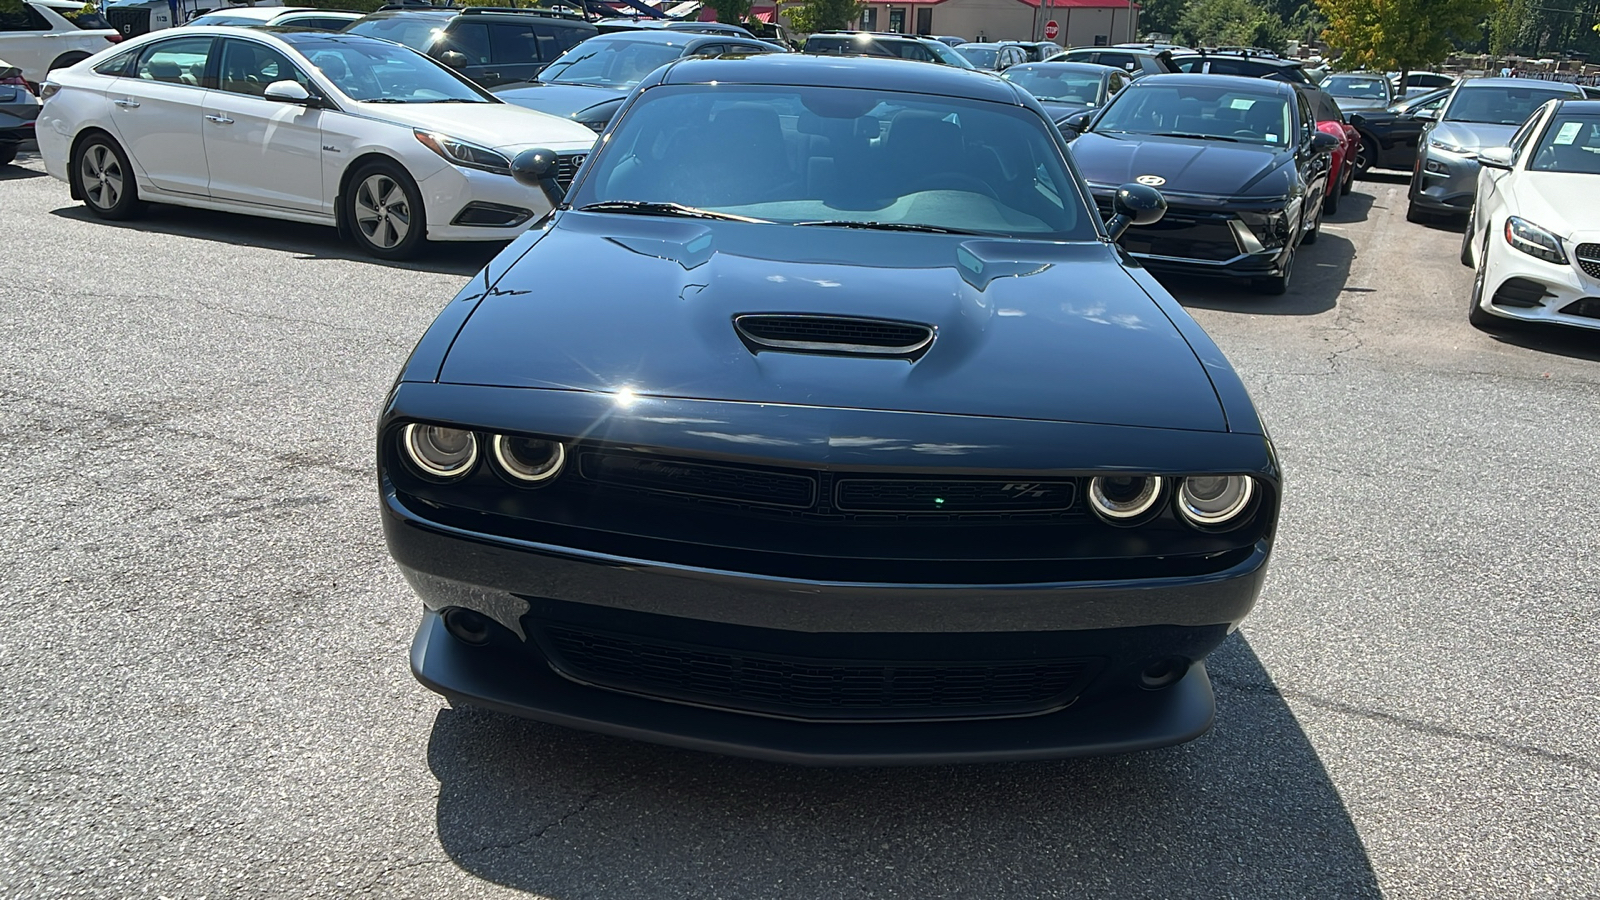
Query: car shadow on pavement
{"points": [[1556, 340], [19, 173], [305, 241], [1246, 810]]}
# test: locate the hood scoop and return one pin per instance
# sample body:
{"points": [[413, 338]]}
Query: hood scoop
{"points": [[834, 335]]}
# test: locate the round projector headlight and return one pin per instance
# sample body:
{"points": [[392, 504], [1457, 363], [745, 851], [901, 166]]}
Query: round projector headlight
{"points": [[440, 452], [1211, 500], [529, 459], [1119, 498]]}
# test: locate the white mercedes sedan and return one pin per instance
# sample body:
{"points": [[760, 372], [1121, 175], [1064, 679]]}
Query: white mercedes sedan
{"points": [[1534, 237], [372, 137]]}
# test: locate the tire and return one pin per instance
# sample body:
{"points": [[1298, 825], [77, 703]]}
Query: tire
{"points": [[1330, 204], [1479, 319], [103, 177], [8, 152], [1316, 227], [1349, 181], [383, 209], [1364, 156], [64, 60], [1466, 242], [1278, 285]]}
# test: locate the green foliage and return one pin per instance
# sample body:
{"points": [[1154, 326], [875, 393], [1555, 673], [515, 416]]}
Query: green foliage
{"points": [[730, 12], [809, 16], [1237, 23], [1161, 16], [1400, 34], [1544, 27]]}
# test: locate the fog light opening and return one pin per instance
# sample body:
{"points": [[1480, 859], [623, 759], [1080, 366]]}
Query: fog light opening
{"points": [[467, 626], [1164, 673]]}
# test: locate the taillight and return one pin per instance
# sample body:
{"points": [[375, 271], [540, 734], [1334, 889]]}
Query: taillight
{"points": [[48, 90], [114, 38]]}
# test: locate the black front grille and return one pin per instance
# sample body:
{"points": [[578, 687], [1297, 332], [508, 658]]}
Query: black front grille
{"points": [[1519, 292], [1181, 235], [940, 495], [834, 333], [741, 484], [567, 168], [1589, 259], [812, 688], [1588, 308], [129, 22]]}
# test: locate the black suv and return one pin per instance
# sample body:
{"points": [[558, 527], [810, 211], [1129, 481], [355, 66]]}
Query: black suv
{"points": [[1251, 63], [1132, 60], [490, 45]]}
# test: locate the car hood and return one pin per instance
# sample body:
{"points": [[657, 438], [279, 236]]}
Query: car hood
{"points": [[1563, 202], [1058, 110], [559, 99], [640, 305], [1472, 136], [501, 126], [1190, 166]]}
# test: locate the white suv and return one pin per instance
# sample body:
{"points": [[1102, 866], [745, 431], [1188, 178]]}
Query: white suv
{"points": [[39, 35]]}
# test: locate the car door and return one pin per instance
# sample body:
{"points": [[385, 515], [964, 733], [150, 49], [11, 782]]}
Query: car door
{"points": [[1314, 166], [1491, 197], [156, 113], [1407, 131], [464, 46], [514, 51], [24, 39], [262, 152]]}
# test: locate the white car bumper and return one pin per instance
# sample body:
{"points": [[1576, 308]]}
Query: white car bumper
{"points": [[1519, 286]]}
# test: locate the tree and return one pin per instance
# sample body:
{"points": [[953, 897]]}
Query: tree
{"points": [[1161, 16], [1400, 34], [1235, 23], [730, 12], [823, 15]]}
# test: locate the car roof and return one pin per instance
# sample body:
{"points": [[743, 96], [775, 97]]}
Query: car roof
{"points": [[1466, 83], [1126, 51], [294, 36], [1278, 61], [1051, 65], [670, 37], [262, 13], [1240, 81], [799, 69], [879, 35], [1581, 107]]}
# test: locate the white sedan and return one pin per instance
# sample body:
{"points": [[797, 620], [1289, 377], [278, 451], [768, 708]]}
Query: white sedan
{"points": [[1534, 237], [366, 135]]}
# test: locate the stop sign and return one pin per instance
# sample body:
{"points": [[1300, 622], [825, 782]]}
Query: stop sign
{"points": [[1050, 30]]}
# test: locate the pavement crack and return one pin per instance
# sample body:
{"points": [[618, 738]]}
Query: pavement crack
{"points": [[539, 832]]}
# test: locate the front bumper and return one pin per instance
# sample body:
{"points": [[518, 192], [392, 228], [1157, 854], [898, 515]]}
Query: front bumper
{"points": [[1525, 288], [451, 194], [1444, 182], [1204, 241]]}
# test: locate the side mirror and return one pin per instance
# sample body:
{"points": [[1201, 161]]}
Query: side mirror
{"points": [[1496, 158], [1134, 204], [1078, 122], [455, 59], [287, 92], [537, 168], [1322, 142]]}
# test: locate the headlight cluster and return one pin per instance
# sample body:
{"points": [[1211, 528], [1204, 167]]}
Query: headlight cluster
{"points": [[1448, 147], [1204, 501], [1534, 241], [446, 454], [464, 153], [1271, 228]]}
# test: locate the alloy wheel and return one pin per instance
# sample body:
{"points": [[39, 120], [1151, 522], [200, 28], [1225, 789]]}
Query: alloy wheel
{"points": [[101, 176], [382, 212]]}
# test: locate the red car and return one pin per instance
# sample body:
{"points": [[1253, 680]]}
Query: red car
{"points": [[1331, 121]]}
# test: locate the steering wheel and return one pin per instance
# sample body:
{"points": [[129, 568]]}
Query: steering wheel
{"points": [[943, 179]]}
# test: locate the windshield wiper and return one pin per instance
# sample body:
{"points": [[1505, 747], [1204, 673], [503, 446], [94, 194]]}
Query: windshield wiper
{"points": [[452, 100], [383, 100], [1203, 137], [654, 208], [890, 226]]}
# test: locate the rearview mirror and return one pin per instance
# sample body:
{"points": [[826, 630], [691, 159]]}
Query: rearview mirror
{"points": [[1134, 204], [1322, 142], [1078, 122], [1496, 157], [537, 168], [287, 92], [455, 59]]}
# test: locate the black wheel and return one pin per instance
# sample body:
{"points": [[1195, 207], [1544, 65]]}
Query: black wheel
{"points": [[1419, 216], [383, 209], [1466, 241], [1316, 226], [1349, 183], [104, 178], [64, 60], [1364, 155], [1475, 313], [8, 152], [1278, 285]]}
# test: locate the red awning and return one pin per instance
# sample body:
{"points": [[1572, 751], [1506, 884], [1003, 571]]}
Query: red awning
{"points": [[759, 13], [1084, 4]]}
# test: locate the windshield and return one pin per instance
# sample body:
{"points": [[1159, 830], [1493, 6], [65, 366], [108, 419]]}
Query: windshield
{"points": [[841, 157], [1498, 105], [87, 18], [1360, 88], [373, 72], [612, 64], [949, 56], [416, 32], [1203, 111], [225, 20], [1571, 144], [1056, 85], [868, 45], [982, 57]]}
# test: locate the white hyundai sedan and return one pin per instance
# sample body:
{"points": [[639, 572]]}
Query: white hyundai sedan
{"points": [[1534, 237], [366, 135]]}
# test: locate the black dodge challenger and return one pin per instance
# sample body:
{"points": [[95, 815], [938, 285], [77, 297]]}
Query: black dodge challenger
{"points": [[823, 421]]}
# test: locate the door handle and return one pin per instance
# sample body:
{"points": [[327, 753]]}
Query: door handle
{"points": [[126, 103], [220, 120]]}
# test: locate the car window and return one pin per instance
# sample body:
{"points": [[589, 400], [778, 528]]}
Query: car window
{"points": [[1197, 110], [178, 61], [416, 32], [791, 155], [86, 17], [1520, 138], [1119, 60], [1357, 87], [248, 67], [376, 72], [982, 57], [610, 63], [1116, 82], [513, 42], [470, 39], [1308, 117], [1055, 85], [325, 24], [1571, 143], [117, 65], [22, 17], [555, 40], [219, 19], [1498, 105]]}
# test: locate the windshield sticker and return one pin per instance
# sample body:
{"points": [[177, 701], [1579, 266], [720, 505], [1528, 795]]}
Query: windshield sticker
{"points": [[1242, 103], [1568, 133]]}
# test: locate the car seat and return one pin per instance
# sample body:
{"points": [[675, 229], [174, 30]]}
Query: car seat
{"points": [[927, 152]]}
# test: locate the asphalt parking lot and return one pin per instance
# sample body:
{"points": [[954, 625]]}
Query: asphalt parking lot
{"points": [[205, 660]]}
